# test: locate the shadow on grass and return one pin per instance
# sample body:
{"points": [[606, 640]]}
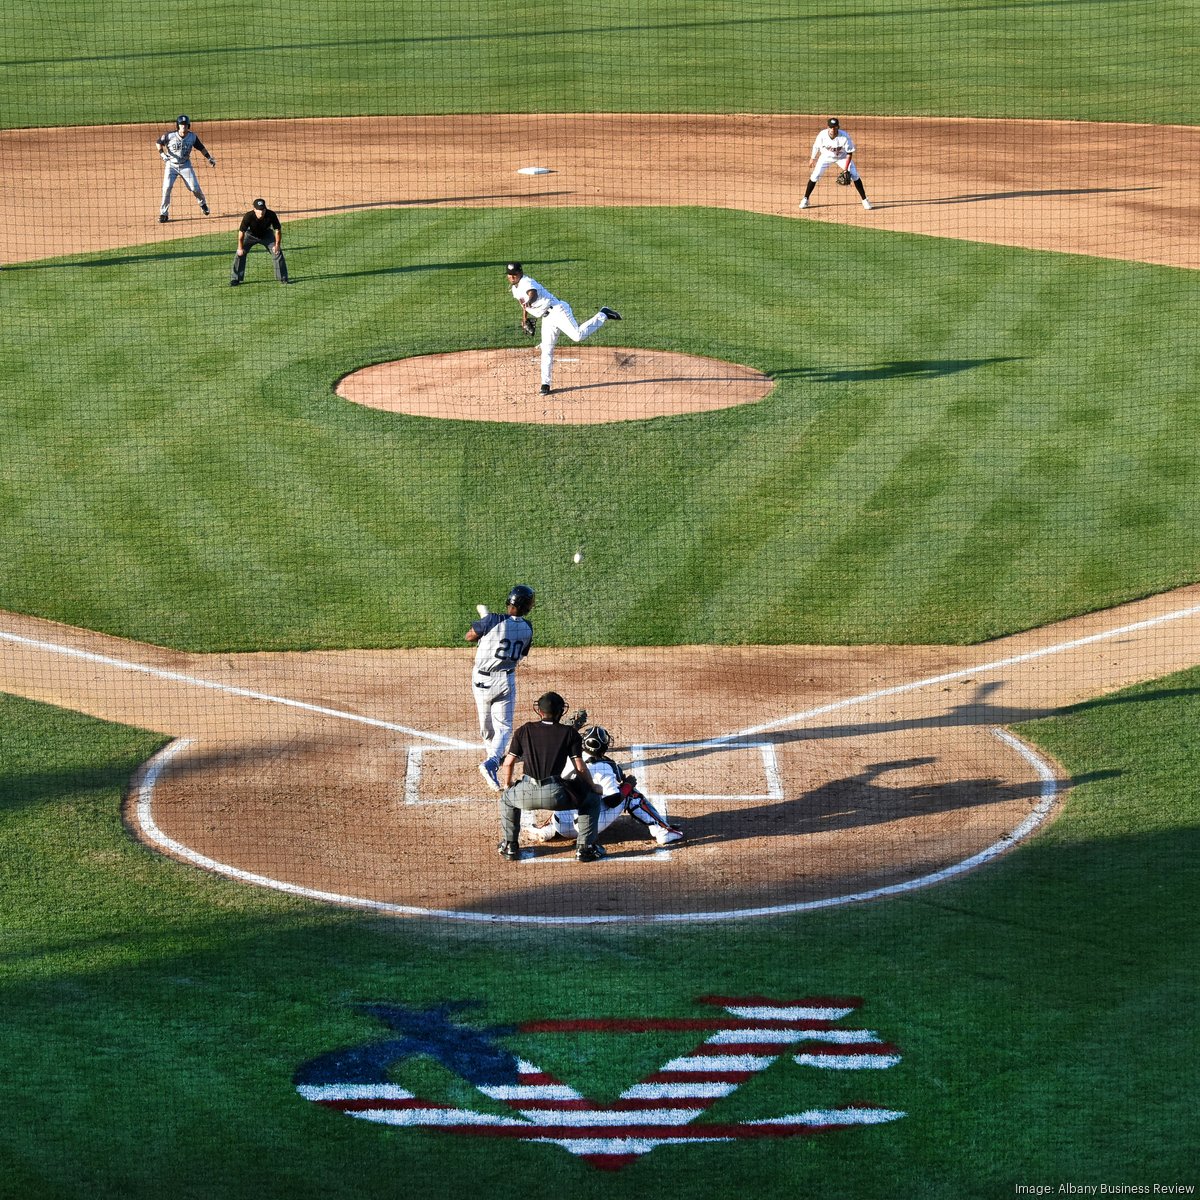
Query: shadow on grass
{"points": [[933, 368]]}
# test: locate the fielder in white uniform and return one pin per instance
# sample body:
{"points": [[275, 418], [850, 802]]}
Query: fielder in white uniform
{"points": [[833, 145], [175, 149], [618, 791], [556, 316], [502, 640]]}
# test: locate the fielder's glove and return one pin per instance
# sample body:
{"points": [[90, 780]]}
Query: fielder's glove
{"points": [[528, 326], [844, 178], [578, 719]]}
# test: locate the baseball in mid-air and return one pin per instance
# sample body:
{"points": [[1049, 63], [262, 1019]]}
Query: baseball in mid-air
{"points": [[578, 556]]}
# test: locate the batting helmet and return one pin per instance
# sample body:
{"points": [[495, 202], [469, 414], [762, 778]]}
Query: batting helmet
{"points": [[521, 598], [596, 740], [183, 119]]}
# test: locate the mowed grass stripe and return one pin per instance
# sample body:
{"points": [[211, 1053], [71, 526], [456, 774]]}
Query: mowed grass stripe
{"points": [[955, 446], [105, 64]]}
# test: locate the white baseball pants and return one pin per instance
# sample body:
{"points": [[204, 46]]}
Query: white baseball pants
{"points": [[560, 319], [495, 703]]}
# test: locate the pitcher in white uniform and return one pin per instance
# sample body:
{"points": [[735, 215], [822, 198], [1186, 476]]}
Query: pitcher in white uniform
{"points": [[556, 316], [502, 640]]}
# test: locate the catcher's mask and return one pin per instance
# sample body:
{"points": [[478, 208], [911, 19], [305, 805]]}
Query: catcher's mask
{"points": [[521, 598], [551, 704], [596, 741]]}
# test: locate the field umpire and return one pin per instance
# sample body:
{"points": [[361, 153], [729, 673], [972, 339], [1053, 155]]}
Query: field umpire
{"points": [[259, 227]]}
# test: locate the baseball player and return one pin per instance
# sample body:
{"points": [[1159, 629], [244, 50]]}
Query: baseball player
{"points": [[834, 145], [556, 317], [501, 640], [259, 227], [618, 793], [175, 149]]}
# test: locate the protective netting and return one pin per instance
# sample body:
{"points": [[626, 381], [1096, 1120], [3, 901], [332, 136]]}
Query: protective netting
{"points": [[822, 490]]}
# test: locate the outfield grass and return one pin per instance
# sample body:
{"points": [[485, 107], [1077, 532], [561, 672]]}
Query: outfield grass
{"points": [[154, 1016], [102, 63], [964, 440]]}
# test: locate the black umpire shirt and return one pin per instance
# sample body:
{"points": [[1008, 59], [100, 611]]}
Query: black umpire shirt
{"points": [[260, 225], [544, 747]]}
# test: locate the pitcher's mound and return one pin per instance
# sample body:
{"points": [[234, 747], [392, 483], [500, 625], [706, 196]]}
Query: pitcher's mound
{"points": [[592, 385]]}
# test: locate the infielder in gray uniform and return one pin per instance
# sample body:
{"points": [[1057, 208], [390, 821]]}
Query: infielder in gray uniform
{"points": [[175, 149], [502, 641], [556, 317]]}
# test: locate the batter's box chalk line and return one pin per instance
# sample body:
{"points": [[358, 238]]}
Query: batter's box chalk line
{"points": [[640, 765]]}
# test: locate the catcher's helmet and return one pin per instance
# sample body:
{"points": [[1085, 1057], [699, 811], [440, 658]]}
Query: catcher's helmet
{"points": [[183, 119], [596, 740], [521, 598]]}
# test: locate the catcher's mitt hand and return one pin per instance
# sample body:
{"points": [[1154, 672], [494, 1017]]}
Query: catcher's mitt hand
{"points": [[528, 326], [844, 178]]}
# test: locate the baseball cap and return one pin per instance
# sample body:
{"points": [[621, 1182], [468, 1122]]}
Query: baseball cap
{"points": [[260, 203], [183, 119], [514, 268], [833, 123]]}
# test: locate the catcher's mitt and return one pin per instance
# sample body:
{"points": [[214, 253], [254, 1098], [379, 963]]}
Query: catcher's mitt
{"points": [[528, 326], [844, 178]]}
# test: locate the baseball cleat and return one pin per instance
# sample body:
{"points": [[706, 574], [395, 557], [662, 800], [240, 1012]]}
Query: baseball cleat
{"points": [[590, 853], [542, 833], [163, 218], [804, 202], [867, 205], [668, 837], [545, 389], [488, 770], [611, 314], [204, 210], [509, 850]]}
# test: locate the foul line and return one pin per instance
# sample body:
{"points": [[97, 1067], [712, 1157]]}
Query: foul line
{"points": [[962, 673], [228, 689]]}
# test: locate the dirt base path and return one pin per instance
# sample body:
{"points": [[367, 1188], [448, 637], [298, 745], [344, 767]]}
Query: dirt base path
{"points": [[804, 776], [1052, 185]]}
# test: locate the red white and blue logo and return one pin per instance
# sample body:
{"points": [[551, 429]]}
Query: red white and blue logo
{"points": [[741, 1038]]}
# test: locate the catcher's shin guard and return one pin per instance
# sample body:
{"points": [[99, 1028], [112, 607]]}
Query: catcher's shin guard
{"points": [[640, 809]]}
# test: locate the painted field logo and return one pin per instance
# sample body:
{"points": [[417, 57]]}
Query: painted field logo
{"points": [[750, 1034]]}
